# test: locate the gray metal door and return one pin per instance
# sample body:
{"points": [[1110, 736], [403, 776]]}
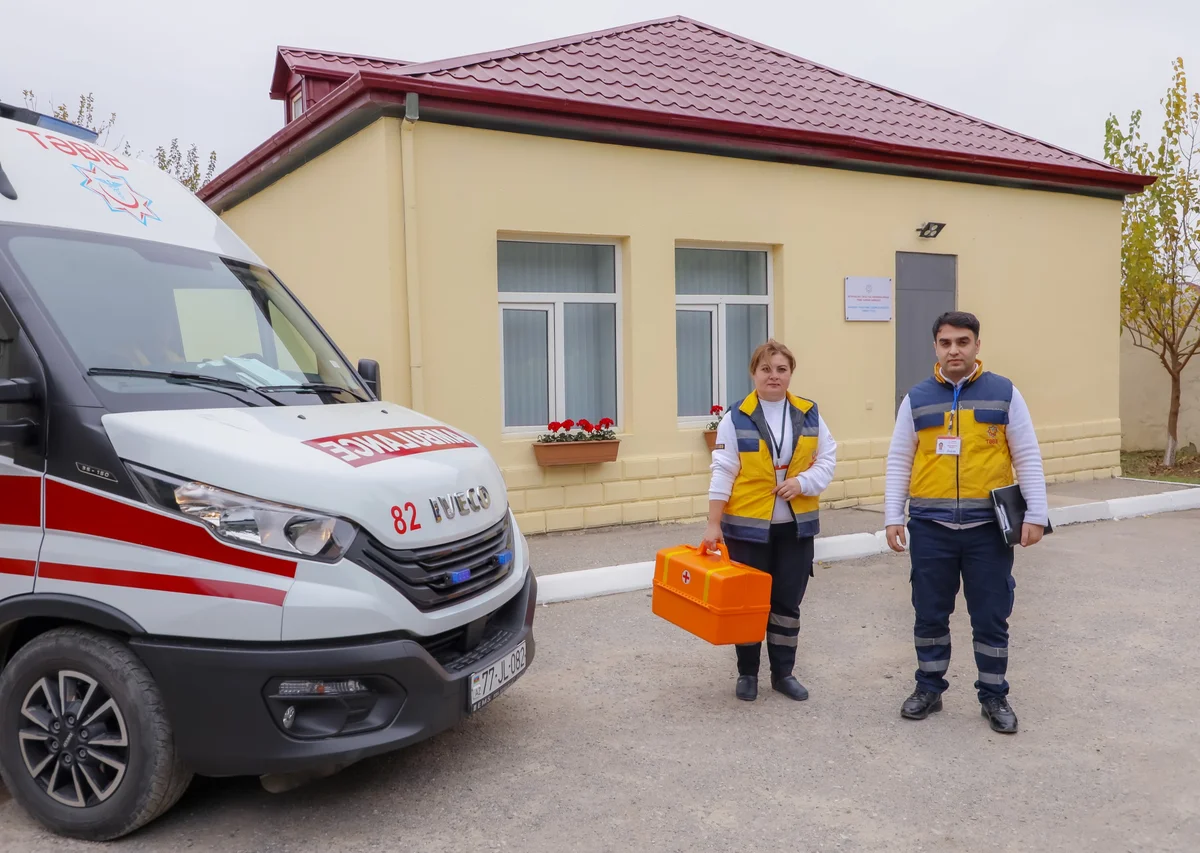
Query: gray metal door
{"points": [[926, 287]]}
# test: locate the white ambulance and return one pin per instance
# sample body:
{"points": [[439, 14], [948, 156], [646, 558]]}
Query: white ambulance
{"points": [[220, 552]]}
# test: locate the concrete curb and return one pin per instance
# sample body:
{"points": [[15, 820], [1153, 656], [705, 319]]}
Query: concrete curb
{"points": [[631, 577]]}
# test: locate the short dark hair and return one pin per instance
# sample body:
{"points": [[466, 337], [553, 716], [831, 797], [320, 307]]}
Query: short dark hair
{"points": [[957, 319]]}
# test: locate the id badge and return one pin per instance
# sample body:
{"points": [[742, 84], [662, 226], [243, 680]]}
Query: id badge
{"points": [[949, 445]]}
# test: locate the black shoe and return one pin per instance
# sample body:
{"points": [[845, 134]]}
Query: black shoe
{"points": [[921, 704], [747, 688], [999, 714], [790, 687]]}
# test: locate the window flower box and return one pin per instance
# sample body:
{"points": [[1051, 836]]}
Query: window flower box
{"points": [[582, 443]]}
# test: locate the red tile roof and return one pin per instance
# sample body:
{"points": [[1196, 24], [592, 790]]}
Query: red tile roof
{"points": [[679, 67], [690, 80]]}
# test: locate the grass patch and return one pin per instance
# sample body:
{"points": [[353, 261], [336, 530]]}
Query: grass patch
{"points": [[1147, 465]]}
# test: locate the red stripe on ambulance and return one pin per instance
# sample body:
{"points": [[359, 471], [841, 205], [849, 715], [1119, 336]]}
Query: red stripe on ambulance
{"points": [[162, 583], [20, 568], [363, 448], [74, 510], [21, 501]]}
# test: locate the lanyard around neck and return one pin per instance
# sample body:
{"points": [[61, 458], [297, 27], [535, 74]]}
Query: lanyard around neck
{"points": [[777, 446]]}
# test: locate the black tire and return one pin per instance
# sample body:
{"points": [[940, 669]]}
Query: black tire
{"points": [[153, 778]]}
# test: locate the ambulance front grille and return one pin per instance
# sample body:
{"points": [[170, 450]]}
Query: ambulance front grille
{"points": [[440, 575]]}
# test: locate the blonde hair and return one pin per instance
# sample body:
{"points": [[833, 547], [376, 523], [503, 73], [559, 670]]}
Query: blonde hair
{"points": [[771, 348]]}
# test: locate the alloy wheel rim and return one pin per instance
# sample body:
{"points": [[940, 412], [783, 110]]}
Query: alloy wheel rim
{"points": [[73, 739]]}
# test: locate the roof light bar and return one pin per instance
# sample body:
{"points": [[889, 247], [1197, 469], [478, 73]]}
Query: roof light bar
{"points": [[46, 122]]}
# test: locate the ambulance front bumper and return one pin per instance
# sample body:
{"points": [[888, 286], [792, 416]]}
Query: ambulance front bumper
{"points": [[229, 705]]}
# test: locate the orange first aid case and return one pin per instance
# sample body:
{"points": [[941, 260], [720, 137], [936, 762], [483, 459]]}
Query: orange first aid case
{"points": [[711, 596]]}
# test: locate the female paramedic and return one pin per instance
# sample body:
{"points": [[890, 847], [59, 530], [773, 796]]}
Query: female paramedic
{"points": [[773, 457]]}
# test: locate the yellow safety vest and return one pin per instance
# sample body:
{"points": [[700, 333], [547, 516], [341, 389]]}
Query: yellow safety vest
{"points": [[752, 501], [957, 489]]}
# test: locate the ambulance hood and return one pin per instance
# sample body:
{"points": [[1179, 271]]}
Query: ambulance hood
{"points": [[370, 463]]}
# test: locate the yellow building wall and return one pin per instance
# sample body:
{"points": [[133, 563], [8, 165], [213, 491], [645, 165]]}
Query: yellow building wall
{"points": [[333, 232], [1040, 269]]}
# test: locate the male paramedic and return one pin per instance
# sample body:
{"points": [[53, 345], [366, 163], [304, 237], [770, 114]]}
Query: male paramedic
{"points": [[959, 434]]}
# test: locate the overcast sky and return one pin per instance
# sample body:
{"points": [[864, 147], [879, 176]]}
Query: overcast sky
{"points": [[1053, 69]]}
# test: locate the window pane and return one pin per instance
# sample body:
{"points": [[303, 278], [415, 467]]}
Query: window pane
{"points": [[746, 329], [590, 350], [526, 368], [556, 268], [722, 272], [693, 362]]}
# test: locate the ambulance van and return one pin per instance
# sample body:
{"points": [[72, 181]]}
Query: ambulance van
{"points": [[220, 552]]}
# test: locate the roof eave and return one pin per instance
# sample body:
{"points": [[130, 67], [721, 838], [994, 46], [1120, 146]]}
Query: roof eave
{"points": [[850, 147], [356, 93], [316, 130]]}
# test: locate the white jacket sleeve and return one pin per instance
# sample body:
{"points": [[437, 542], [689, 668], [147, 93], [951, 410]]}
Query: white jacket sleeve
{"points": [[725, 461], [899, 465], [817, 478], [1027, 460]]}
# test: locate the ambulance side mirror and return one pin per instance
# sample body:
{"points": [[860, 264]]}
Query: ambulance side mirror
{"points": [[368, 372]]}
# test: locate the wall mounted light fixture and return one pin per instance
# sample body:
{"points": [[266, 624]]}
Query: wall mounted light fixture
{"points": [[931, 229]]}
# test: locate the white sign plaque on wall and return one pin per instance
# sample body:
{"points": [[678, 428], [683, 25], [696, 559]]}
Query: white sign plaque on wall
{"points": [[868, 299]]}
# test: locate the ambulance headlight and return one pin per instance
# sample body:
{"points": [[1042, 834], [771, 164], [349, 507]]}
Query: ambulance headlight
{"points": [[249, 521]]}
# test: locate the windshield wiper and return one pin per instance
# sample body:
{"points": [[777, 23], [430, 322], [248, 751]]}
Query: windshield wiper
{"points": [[183, 378], [313, 388]]}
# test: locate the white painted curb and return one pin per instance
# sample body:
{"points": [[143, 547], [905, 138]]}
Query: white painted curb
{"points": [[631, 577], [589, 583]]}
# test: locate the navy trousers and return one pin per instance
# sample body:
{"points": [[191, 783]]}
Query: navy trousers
{"points": [[940, 556], [789, 562]]}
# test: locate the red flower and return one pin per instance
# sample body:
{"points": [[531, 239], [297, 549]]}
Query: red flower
{"points": [[568, 425], [605, 423], [585, 425], [716, 410], [554, 426]]}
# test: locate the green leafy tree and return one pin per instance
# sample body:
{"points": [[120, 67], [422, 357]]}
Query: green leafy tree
{"points": [[1160, 252], [185, 167]]}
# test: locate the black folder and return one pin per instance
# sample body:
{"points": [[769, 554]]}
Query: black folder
{"points": [[1010, 507]]}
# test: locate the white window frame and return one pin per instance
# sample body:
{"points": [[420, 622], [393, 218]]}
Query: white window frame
{"points": [[717, 305], [555, 303], [297, 100]]}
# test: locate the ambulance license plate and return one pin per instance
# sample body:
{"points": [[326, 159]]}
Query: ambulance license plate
{"points": [[491, 682]]}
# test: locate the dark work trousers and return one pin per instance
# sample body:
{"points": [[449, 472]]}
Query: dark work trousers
{"points": [[789, 562], [940, 555]]}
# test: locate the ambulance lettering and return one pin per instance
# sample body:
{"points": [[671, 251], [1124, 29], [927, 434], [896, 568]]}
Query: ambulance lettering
{"points": [[363, 448], [74, 148]]}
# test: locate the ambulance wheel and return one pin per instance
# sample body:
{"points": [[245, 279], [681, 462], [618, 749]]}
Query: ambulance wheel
{"points": [[85, 743]]}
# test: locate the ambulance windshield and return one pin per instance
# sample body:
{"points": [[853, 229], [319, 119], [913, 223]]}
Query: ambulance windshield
{"points": [[132, 311]]}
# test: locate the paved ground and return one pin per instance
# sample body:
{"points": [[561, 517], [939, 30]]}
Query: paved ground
{"points": [[625, 736], [614, 546]]}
